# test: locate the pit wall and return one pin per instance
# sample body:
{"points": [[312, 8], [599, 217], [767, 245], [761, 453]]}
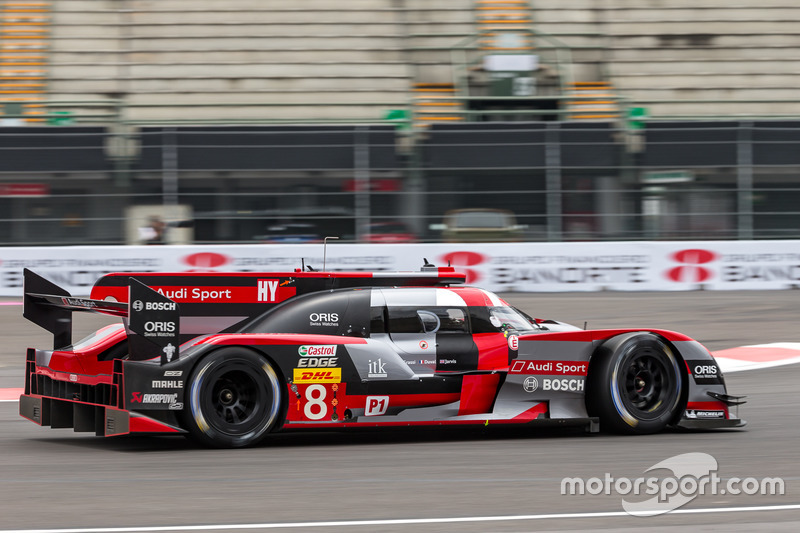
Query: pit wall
{"points": [[499, 267]]}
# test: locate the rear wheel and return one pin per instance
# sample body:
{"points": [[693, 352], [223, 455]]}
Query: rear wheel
{"points": [[635, 384], [234, 399]]}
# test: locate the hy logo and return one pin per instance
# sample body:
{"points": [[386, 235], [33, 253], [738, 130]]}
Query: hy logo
{"points": [[690, 269]]}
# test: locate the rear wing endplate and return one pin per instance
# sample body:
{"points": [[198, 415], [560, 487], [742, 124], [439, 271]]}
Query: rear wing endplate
{"points": [[151, 319], [49, 306]]}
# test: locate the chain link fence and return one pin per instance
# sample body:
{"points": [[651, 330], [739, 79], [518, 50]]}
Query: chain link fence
{"points": [[517, 181]]}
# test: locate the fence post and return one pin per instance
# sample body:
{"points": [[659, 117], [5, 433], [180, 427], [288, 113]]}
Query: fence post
{"points": [[169, 160], [362, 181], [552, 158], [744, 180]]}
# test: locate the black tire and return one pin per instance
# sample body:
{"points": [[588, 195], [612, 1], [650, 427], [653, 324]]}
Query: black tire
{"points": [[233, 399], [635, 384]]}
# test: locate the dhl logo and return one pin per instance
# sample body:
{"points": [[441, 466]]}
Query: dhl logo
{"points": [[328, 375]]}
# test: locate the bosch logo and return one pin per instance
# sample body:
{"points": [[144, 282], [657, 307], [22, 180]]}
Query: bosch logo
{"points": [[154, 306], [462, 259], [206, 260], [690, 270], [573, 385], [530, 384]]}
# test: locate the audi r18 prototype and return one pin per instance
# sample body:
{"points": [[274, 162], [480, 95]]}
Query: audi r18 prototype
{"points": [[229, 358]]}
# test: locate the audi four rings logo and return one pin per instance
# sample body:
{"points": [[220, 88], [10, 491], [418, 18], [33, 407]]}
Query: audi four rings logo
{"points": [[690, 270]]}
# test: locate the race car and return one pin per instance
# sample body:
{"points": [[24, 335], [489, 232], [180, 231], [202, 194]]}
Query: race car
{"points": [[228, 359]]}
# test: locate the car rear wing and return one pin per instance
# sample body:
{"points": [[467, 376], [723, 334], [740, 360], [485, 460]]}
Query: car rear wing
{"points": [[49, 306], [151, 319]]}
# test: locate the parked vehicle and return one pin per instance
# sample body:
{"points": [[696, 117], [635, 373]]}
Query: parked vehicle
{"points": [[480, 225], [388, 232]]}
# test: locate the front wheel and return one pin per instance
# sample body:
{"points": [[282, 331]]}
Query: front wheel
{"points": [[635, 384], [234, 399]]}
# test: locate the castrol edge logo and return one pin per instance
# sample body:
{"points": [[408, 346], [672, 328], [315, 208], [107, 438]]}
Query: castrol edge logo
{"points": [[328, 350]]}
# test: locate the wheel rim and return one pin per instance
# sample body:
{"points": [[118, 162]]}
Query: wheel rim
{"points": [[236, 400], [647, 382]]}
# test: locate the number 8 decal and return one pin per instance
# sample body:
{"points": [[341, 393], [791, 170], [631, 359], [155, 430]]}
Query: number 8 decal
{"points": [[315, 400]]}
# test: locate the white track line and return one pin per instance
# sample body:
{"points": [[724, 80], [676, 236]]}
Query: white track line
{"points": [[403, 521]]}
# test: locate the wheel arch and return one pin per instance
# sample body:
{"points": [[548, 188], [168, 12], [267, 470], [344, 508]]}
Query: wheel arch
{"points": [[197, 366], [611, 344], [276, 366]]}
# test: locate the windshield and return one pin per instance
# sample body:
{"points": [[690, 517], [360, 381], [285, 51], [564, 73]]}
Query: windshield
{"points": [[505, 318]]}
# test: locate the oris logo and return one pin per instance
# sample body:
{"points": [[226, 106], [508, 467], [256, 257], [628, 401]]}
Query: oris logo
{"points": [[205, 261], [323, 319], [690, 270], [705, 369], [159, 327], [462, 259]]}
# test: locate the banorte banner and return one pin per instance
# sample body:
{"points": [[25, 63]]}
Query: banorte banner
{"points": [[500, 267]]}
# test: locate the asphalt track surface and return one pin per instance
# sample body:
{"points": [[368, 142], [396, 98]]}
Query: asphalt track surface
{"points": [[484, 479]]}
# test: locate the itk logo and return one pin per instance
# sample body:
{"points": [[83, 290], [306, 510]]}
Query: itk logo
{"points": [[690, 269], [465, 259], [377, 369], [205, 261]]}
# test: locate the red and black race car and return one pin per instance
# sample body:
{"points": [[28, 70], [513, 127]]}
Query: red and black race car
{"points": [[230, 358]]}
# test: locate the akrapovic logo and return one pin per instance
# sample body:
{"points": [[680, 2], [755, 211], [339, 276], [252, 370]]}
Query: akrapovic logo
{"points": [[328, 350], [167, 399]]}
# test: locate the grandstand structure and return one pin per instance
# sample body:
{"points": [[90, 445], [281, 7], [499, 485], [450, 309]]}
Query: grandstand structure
{"points": [[271, 60]]}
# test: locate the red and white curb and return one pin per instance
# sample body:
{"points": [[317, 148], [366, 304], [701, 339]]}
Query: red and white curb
{"points": [[758, 356], [731, 360], [10, 395]]}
